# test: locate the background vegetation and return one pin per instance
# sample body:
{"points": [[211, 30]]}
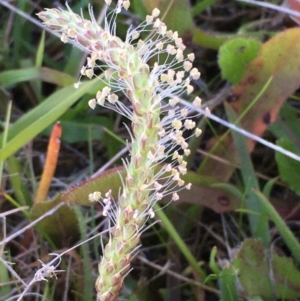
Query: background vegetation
{"points": [[234, 236]]}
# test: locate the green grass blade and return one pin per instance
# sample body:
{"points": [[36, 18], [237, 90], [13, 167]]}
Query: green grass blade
{"points": [[85, 252], [5, 134], [19, 188], [35, 121], [38, 63], [179, 242], [282, 228], [12, 77], [227, 281], [40, 51], [258, 223]]}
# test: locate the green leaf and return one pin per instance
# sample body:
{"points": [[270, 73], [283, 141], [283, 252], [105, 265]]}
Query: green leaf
{"points": [[288, 167], [227, 282], [15, 177], [77, 127], [110, 179], [263, 273], [286, 234], [268, 81], [12, 77], [235, 54], [35, 121], [61, 225], [212, 261], [287, 124], [201, 6], [258, 223]]}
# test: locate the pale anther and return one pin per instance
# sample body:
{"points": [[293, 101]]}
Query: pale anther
{"points": [[197, 102], [189, 124], [189, 89], [188, 186], [76, 85], [89, 73], [173, 101], [92, 103], [126, 4], [157, 23], [159, 196], [71, 32], [191, 57], [175, 35], [187, 152], [135, 35], [195, 74], [112, 98], [149, 19], [155, 12], [175, 197], [83, 70], [177, 124], [151, 213], [198, 132], [105, 91], [184, 112], [64, 38]]}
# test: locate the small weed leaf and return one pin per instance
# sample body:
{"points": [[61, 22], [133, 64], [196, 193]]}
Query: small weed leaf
{"points": [[234, 56], [255, 264], [288, 167]]}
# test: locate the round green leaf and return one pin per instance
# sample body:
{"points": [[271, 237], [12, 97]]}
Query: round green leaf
{"points": [[234, 55]]}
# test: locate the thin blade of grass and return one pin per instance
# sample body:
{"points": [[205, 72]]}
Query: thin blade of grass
{"points": [[179, 242], [281, 226], [227, 281], [12, 77], [4, 136], [20, 190], [38, 63], [35, 121], [85, 252], [258, 224]]}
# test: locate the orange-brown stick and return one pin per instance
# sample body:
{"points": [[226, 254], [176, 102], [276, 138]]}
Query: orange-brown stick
{"points": [[50, 164]]}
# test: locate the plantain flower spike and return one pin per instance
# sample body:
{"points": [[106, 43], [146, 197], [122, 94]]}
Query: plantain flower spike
{"points": [[153, 91]]}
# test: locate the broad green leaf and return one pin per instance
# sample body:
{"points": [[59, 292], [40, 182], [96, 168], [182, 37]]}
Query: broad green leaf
{"points": [[234, 55], [263, 273], [288, 167], [112, 179], [220, 199], [278, 60], [287, 124], [61, 225], [276, 72]]}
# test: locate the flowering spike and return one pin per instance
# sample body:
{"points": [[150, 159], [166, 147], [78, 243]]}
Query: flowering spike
{"points": [[153, 91]]}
